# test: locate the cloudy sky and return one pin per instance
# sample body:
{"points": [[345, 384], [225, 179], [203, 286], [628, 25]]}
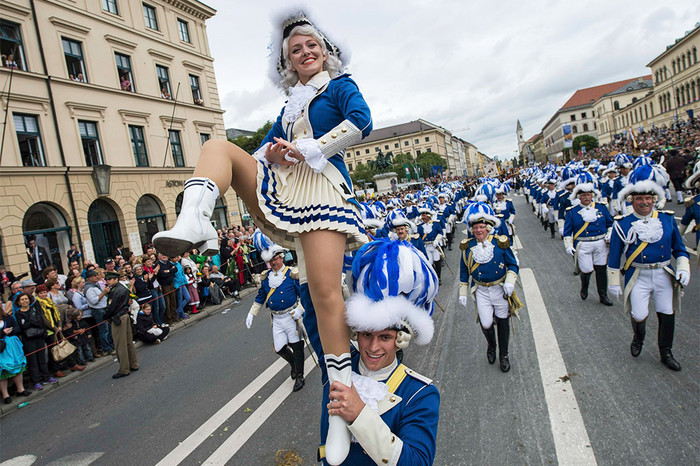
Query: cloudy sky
{"points": [[473, 67]]}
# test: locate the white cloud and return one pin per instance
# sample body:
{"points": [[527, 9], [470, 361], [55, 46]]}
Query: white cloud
{"points": [[476, 65]]}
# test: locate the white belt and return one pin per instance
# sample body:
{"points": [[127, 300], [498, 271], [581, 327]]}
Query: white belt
{"points": [[590, 238], [655, 265], [283, 311]]}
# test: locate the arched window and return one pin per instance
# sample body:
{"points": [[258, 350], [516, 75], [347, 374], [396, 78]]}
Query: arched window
{"points": [[104, 230], [683, 61], [585, 127], [695, 55], [651, 108], [616, 105], [46, 225], [646, 112], [149, 217], [673, 65], [574, 129]]}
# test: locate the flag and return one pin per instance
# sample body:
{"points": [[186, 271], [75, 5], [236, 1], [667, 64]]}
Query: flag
{"points": [[630, 135]]}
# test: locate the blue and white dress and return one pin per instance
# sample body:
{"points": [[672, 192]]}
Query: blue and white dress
{"points": [[322, 118]]}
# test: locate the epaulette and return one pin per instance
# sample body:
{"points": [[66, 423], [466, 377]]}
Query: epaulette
{"points": [[618, 217], [464, 244], [294, 273], [669, 212], [570, 207], [418, 376], [416, 236], [263, 274], [689, 201], [503, 241]]}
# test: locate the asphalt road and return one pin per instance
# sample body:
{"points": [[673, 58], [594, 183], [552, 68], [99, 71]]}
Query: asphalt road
{"points": [[216, 393]]}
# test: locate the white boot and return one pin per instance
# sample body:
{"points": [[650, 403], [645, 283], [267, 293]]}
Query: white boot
{"points": [[338, 439], [193, 228]]}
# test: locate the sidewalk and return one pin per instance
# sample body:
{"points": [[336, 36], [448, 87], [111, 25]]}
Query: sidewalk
{"points": [[109, 359]]}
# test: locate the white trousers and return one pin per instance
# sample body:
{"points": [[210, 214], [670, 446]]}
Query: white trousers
{"points": [[490, 301], [592, 253], [433, 253], [552, 216], [652, 282], [284, 330]]}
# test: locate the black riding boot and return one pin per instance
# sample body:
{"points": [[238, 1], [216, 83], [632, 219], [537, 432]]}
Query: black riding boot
{"points": [[667, 324], [437, 266], [601, 282], [490, 335], [551, 230], [503, 326], [287, 354], [298, 348], [640, 331], [585, 281]]}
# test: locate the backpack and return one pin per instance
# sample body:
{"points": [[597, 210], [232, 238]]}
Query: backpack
{"points": [[216, 296]]}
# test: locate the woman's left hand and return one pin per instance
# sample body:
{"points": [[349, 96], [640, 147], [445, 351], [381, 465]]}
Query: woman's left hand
{"points": [[7, 330], [345, 402], [287, 150]]}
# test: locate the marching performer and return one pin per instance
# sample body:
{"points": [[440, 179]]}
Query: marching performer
{"points": [[430, 232], [391, 410], [549, 202], [692, 206], [403, 230], [488, 271], [447, 216], [586, 227], [505, 207], [279, 292], [641, 247]]}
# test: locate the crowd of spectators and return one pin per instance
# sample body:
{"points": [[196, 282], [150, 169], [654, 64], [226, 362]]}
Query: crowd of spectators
{"points": [[49, 307]]}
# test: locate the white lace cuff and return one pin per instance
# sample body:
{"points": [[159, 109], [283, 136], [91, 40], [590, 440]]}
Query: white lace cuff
{"points": [[311, 150], [259, 155]]}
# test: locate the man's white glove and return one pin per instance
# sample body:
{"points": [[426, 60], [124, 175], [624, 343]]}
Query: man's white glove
{"points": [[615, 291], [437, 242], [571, 251], [561, 231], [508, 288], [297, 312], [683, 277], [463, 301], [249, 320]]}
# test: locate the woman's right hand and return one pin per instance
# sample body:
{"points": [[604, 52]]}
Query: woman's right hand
{"points": [[275, 153]]}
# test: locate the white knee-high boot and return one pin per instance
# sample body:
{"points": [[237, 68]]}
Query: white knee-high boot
{"points": [[193, 228], [338, 439]]}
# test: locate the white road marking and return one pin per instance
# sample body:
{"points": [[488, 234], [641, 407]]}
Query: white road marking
{"points": [[179, 453], [516, 243], [25, 460], [570, 436], [241, 435], [77, 459]]}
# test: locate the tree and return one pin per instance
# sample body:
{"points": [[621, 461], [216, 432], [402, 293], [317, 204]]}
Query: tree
{"points": [[584, 140], [251, 143], [363, 172], [427, 160], [398, 165]]}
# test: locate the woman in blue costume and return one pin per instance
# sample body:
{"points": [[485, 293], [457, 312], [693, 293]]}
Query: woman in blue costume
{"points": [[295, 186]]}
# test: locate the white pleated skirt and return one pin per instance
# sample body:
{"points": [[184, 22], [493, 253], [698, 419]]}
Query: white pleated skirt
{"points": [[297, 200]]}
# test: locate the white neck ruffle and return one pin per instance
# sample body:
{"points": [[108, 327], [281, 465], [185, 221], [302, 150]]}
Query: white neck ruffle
{"points": [[483, 252]]}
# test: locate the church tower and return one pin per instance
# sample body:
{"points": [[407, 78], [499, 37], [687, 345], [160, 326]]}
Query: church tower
{"points": [[519, 134]]}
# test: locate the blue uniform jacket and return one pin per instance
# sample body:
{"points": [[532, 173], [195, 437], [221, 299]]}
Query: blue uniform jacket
{"points": [[670, 244], [429, 231], [692, 212], [503, 261], [411, 212], [285, 295], [563, 203], [340, 101], [573, 222], [414, 420]]}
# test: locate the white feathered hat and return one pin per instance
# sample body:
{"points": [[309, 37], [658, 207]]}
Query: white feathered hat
{"points": [[267, 248], [394, 287]]}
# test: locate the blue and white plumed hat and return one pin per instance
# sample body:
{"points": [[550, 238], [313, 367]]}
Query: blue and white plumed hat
{"points": [[267, 248], [585, 183], [370, 218], [394, 203], [642, 160], [394, 286], [485, 193], [379, 207], [481, 212], [503, 188], [623, 160], [568, 176], [694, 178], [427, 208], [646, 179], [612, 167], [398, 218]]}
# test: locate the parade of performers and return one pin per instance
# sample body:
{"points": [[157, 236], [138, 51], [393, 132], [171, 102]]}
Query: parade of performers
{"points": [[369, 271]]}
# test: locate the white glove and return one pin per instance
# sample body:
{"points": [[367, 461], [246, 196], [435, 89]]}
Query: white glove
{"points": [[683, 277], [463, 301], [510, 220], [508, 288], [297, 312], [436, 243], [249, 320], [615, 291], [571, 251], [561, 231]]}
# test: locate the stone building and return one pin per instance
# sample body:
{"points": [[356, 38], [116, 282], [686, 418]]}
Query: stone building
{"points": [[108, 104]]}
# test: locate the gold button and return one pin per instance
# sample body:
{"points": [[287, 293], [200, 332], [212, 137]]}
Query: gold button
{"points": [[334, 135], [384, 460], [304, 131], [392, 399], [295, 136], [343, 130], [393, 439], [323, 141]]}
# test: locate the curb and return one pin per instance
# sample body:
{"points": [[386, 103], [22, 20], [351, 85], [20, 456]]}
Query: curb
{"points": [[109, 359]]}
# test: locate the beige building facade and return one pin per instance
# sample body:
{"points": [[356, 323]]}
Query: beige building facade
{"points": [[108, 104]]}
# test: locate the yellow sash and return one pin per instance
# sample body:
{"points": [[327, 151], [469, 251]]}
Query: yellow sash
{"points": [[272, 290], [639, 249]]}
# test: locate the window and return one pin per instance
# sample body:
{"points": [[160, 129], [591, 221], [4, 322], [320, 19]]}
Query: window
{"points": [[415, 141], [573, 117], [184, 30], [405, 143], [366, 151], [11, 46], [616, 105], [176, 147], [574, 129], [163, 81], [386, 147], [427, 139], [585, 126], [29, 139], [376, 149], [73, 51], [149, 14], [396, 145], [138, 145], [429, 149], [91, 143], [126, 77], [196, 91], [110, 5], [350, 167], [204, 137], [357, 152], [583, 115]]}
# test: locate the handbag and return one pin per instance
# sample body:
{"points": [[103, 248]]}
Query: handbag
{"points": [[35, 332], [62, 349]]}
